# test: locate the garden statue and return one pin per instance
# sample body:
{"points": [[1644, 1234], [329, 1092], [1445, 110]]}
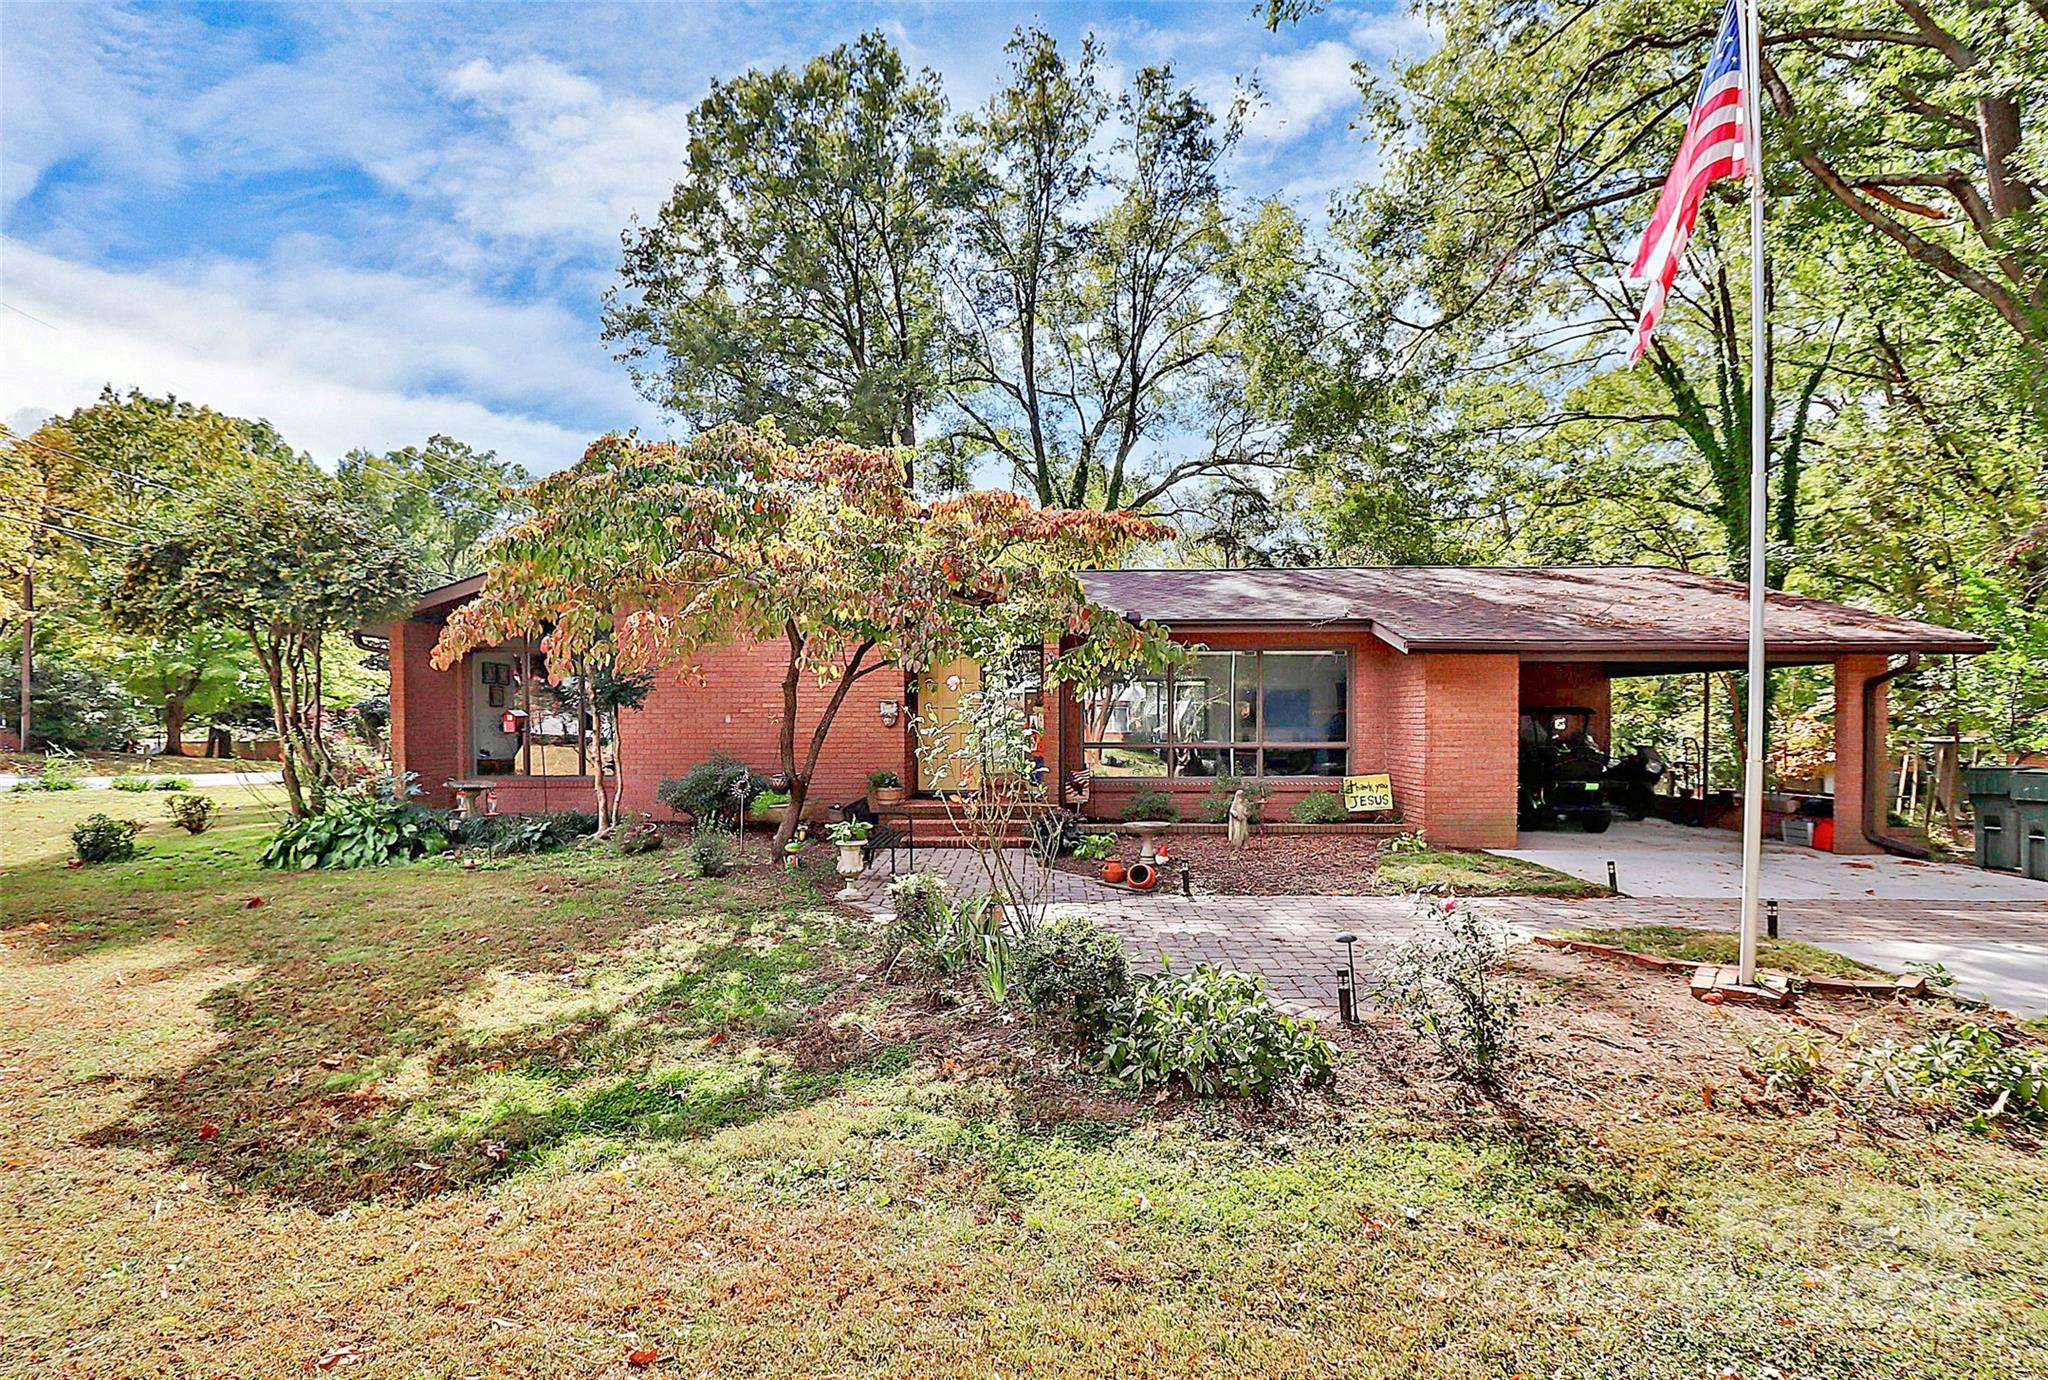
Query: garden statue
{"points": [[1240, 820]]}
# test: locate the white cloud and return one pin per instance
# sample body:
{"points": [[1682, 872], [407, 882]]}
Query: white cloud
{"points": [[335, 357], [1303, 89], [560, 155]]}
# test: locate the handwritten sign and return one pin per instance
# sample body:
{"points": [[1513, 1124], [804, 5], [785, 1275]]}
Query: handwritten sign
{"points": [[1366, 793]]}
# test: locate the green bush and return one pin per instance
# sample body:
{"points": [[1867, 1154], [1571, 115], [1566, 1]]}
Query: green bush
{"points": [[1968, 1074], [711, 790], [134, 782], [1450, 985], [99, 839], [1096, 847], [1213, 1033], [1319, 807], [172, 783], [1216, 804], [1405, 843], [192, 813], [712, 851], [1149, 805], [1073, 971], [358, 829], [60, 772]]}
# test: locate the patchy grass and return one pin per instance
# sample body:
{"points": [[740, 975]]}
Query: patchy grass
{"points": [[519, 1120], [122, 763], [1479, 874], [1715, 946]]}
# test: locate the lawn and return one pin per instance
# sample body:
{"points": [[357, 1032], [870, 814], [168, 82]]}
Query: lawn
{"points": [[1717, 946], [1479, 874], [527, 1119]]}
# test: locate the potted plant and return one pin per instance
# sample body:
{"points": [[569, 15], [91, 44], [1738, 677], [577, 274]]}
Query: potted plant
{"points": [[767, 806], [850, 837], [885, 790]]}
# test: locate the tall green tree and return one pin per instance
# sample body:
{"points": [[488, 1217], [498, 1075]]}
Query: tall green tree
{"points": [[287, 559], [792, 273], [444, 498]]}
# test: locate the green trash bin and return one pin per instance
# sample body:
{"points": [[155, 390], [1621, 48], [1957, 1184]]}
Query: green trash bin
{"points": [[1998, 825], [2030, 816]]}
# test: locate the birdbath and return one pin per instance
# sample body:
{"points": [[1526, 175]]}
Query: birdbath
{"points": [[1148, 832]]}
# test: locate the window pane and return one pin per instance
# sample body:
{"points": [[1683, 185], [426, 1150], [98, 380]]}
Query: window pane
{"points": [[1212, 699], [1306, 694], [1131, 711], [1209, 762], [1114, 760], [1305, 761]]}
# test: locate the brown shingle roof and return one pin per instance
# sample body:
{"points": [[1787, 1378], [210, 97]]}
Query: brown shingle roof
{"points": [[1623, 611]]}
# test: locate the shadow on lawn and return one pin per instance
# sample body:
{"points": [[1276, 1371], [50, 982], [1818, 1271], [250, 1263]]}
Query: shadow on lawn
{"points": [[338, 1074]]}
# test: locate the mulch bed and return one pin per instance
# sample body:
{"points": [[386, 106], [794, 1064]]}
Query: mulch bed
{"points": [[1267, 864]]}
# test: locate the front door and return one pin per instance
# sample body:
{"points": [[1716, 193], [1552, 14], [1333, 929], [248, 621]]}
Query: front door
{"points": [[940, 736]]}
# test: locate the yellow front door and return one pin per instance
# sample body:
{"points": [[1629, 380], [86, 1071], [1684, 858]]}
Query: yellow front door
{"points": [[940, 736]]}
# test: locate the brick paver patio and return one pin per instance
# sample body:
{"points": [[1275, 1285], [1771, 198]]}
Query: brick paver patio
{"points": [[1292, 940]]}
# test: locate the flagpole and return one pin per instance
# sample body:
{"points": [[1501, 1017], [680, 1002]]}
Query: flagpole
{"points": [[1759, 449]]}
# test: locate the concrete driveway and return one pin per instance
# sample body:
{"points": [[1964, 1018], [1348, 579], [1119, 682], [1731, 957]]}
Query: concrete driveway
{"points": [[1989, 929]]}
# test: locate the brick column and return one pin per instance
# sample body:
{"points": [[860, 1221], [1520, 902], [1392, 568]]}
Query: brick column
{"points": [[1855, 759], [1472, 713], [426, 712]]}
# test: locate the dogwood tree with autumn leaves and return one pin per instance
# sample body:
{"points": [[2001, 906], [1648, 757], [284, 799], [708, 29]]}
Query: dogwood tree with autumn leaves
{"points": [[646, 556]]}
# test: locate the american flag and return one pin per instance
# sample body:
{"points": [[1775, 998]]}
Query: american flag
{"points": [[1716, 145]]}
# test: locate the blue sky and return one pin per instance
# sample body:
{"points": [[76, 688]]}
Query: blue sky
{"points": [[372, 224]]}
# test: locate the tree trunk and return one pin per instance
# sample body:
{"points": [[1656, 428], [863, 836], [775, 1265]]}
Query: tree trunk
{"points": [[785, 738], [174, 726]]}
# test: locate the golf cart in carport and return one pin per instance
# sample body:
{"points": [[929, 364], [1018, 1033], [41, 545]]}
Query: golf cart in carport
{"points": [[1563, 771]]}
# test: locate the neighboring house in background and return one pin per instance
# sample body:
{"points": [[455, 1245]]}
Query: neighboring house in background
{"points": [[1308, 676]]}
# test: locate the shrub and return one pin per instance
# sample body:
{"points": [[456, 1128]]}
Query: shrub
{"points": [[1967, 1074], [1788, 1065], [1149, 804], [643, 835], [1319, 807], [173, 783], [133, 782], [1074, 971], [525, 834], [1053, 833], [366, 828], [883, 779], [932, 939], [192, 813], [60, 772], [1213, 1033], [1096, 847], [1405, 843], [711, 790], [98, 839], [1216, 804], [1449, 984], [712, 851]]}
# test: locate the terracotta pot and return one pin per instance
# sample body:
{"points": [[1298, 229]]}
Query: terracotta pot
{"points": [[1143, 876], [1113, 871]]}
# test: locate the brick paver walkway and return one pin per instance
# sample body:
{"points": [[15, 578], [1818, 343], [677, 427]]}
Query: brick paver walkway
{"points": [[1292, 940]]}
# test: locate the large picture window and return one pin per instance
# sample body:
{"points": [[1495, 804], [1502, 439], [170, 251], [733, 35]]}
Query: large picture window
{"points": [[1225, 714]]}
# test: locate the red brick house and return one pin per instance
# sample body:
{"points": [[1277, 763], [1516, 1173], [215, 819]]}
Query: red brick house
{"points": [[1307, 676]]}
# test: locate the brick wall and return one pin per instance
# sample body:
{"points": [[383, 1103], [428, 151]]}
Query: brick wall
{"points": [[426, 712], [1852, 751], [1572, 683], [1472, 716], [736, 705]]}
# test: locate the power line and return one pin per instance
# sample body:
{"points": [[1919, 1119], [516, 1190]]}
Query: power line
{"points": [[73, 532]]}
